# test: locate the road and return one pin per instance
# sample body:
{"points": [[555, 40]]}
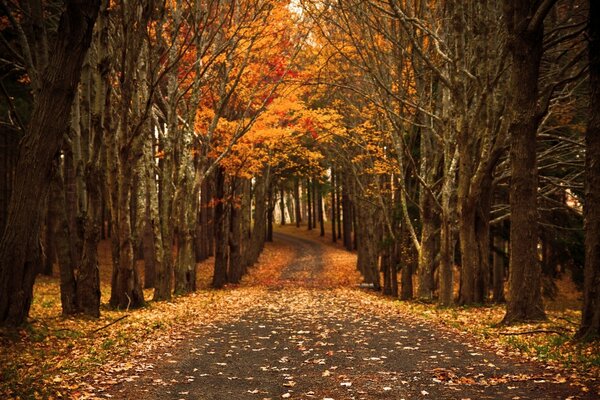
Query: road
{"points": [[302, 341]]}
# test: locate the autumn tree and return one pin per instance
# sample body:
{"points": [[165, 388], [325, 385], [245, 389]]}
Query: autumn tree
{"points": [[53, 98]]}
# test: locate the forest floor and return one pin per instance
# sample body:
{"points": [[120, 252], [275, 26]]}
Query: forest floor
{"points": [[297, 327]]}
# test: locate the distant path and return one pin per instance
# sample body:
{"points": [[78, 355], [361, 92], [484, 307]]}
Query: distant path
{"points": [[301, 342], [308, 260]]}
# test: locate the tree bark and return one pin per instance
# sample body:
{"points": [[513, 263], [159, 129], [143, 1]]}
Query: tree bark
{"points": [[126, 291], [333, 207], [314, 203], [347, 217], [88, 284], [220, 277], [259, 230], [62, 234], [282, 204], [88, 281], [297, 207], [526, 48], [498, 270], [236, 263], [38, 148], [309, 196], [245, 224], [427, 252], [320, 210], [270, 209], [590, 318]]}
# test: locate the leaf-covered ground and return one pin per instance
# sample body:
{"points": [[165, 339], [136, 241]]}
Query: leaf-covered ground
{"points": [[297, 327]]}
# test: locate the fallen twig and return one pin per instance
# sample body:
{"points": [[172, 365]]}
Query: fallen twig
{"points": [[549, 331], [568, 320], [109, 324]]}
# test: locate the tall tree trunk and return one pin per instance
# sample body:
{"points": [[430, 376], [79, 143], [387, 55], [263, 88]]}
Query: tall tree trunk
{"points": [[148, 250], [427, 251], [590, 318], [259, 230], [526, 48], [9, 145], [446, 262], [220, 277], [386, 268], [62, 235], [407, 259], [236, 263], [246, 221], [320, 210], [314, 203], [498, 271], [282, 204], [338, 205], [163, 222], [185, 271], [368, 257], [48, 243], [333, 207], [38, 148], [88, 284], [270, 209], [88, 281], [470, 260], [71, 204], [205, 214], [309, 196], [126, 291], [348, 218], [395, 262], [297, 208]]}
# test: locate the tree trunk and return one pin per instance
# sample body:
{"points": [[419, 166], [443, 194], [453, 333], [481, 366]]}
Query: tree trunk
{"points": [[62, 235], [88, 281], [205, 214], [590, 318], [498, 271], [246, 220], [314, 203], [88, 284], [71, 206], [236, 264], [282, 204], [368, 257], [148, 250], [309, 196], [38, 148], [297, 208], [526, 48], [427, 253], [164, 268], [338, 206], [259, 230], [395, 262], [48, 243], [220, 277], [386, 268], [270, 209], [348, 218], [126, 291], [320, 210], [333, 207], [185, 271], [446, 297], [470, 272]]}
